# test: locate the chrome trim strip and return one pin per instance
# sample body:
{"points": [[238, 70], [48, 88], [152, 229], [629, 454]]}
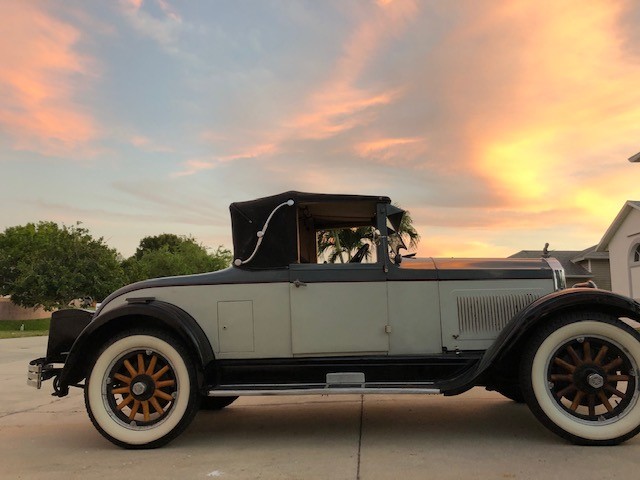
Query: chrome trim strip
{"points": [[291, 386], [324, 391]]}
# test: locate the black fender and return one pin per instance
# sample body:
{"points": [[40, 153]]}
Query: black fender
{"points": [[149, 312], [503, 354]]}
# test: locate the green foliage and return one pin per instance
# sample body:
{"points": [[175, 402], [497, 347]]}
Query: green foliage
{"points": [[170, 241], [48, 265], [168, 255], [406, 237], [341, 244]]}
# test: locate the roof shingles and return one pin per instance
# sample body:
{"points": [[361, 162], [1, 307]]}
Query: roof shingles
{"points": [[565, 258]]}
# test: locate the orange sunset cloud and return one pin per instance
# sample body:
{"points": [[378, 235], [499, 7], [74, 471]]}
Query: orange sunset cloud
{"points": [[501, 126], [574, 94], [38, 107]]}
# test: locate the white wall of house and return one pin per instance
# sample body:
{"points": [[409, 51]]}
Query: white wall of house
{"points": [[625, 272]]}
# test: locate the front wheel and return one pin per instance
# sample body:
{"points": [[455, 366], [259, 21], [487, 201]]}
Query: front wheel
{"points": [[579, 377], [142, 390]]}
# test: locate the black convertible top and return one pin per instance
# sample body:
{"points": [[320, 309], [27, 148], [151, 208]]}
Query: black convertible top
{"points": [[282, 213]]}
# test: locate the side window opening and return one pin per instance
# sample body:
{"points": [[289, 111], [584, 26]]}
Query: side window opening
{"points": [[336, 233], [636, 254], [346, 245]]}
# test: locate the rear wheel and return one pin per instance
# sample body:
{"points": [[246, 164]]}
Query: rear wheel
{"points": [[579, 377], [142, 390]]}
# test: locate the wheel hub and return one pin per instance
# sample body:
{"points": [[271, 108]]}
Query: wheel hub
{"points": [[589, 378], [595, 380], [139, 388], [143, 387]]}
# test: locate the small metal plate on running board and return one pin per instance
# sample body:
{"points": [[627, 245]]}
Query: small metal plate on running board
{"points": [[345, 378]]}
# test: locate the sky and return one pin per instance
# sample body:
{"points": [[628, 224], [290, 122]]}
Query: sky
{"points": [[500, 125]]}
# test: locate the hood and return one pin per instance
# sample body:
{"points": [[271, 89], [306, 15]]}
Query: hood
{"points": [[475, 268]]}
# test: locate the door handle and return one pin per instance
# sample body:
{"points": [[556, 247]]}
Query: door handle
{"points": [[299, 284]]}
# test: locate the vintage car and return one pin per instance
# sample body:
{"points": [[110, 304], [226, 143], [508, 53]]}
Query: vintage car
{"points": [[282, 321]]}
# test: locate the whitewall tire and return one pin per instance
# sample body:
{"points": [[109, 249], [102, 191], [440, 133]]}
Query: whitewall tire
{"points": [[580, 378], [142, 390]]}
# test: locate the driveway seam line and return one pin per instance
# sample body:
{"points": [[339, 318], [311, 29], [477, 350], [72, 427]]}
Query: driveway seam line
{"points": [[30, 409], [360, 435]]}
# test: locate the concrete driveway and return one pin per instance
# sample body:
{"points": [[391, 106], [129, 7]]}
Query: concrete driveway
{"points": [[476, 435]]}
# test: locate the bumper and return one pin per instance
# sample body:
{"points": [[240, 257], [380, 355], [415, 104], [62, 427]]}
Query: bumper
{"points": [[40, 371], [34, 375], [66, 326]]}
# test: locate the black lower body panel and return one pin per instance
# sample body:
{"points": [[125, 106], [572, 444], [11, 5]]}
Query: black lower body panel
{"points": [[382, 369]]}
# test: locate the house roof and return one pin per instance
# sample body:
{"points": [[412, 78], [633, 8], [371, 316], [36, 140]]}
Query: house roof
{"points": [[590, 254], [565, 257], [617, 222]]}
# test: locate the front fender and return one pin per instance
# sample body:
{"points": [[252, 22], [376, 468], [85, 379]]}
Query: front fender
{"points": [[504, 352], [151, 313], [573, 299]]}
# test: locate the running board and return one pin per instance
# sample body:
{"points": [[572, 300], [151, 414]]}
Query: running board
{"points": [[321, 389]]}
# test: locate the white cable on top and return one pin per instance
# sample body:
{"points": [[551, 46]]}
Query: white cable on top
{"points": [[237, 262]]}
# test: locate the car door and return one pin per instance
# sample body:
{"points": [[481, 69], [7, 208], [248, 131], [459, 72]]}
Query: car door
{"points": [[338, 309]]}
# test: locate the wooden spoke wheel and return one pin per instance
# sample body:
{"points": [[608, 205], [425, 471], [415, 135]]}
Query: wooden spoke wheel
{"points": [[142, 390], [592, 378], [579, 377]]}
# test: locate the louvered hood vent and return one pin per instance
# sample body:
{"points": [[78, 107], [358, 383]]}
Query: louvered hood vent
{"points": [[480, 314]]}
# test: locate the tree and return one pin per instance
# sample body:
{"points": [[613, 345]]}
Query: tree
{"points": [[170, 241], [407, 231], [48, 265], [168, 255], [338, 243]]}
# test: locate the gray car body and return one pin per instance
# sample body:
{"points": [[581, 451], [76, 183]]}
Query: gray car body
{"points": [[471, 314]]}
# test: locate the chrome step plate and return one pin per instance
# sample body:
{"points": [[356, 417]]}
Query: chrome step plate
{"points": [[320, 389]]}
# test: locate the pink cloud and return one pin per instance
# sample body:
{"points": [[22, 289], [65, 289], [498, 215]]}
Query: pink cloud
{"points": [[196, 165], [147, 144], [164, 29], [40, 75], [393, 151], [339, 104]]}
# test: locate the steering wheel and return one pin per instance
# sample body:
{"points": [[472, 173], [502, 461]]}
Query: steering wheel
{"points": [[360, 254]]}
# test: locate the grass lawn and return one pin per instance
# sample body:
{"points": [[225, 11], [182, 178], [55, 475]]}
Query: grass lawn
{"points": [[32, 328]]}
